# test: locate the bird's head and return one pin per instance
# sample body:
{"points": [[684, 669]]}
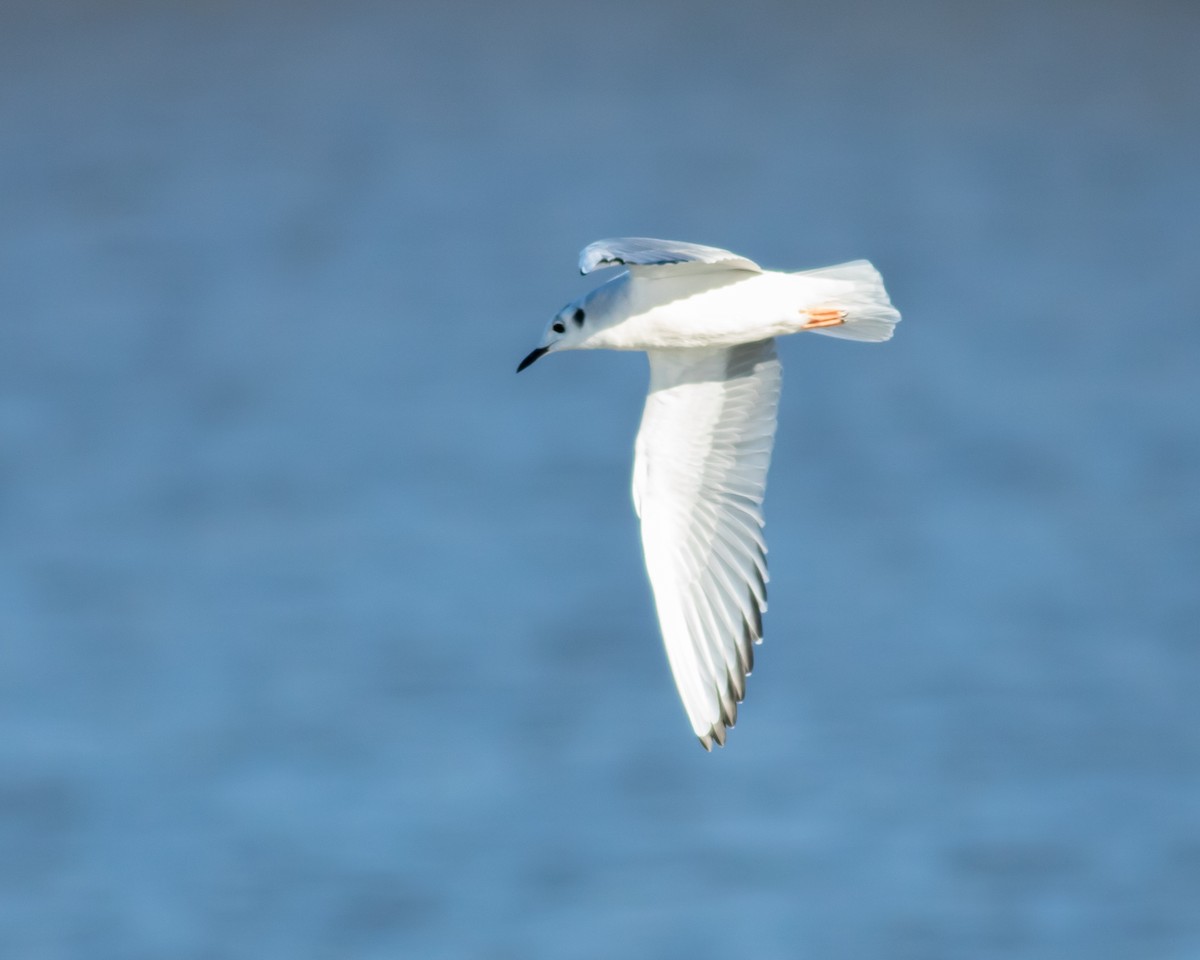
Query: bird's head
{"points": [[585, 323], [567, 331]]}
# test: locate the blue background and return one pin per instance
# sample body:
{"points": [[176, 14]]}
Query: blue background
{"points": [[324, 635]]}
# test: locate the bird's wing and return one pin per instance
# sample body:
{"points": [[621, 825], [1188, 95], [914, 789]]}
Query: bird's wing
{"points": [[646, 255], [699, 474]]}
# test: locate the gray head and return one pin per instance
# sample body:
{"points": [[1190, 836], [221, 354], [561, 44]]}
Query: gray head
{"points": [[575, 326], [568, 329]]}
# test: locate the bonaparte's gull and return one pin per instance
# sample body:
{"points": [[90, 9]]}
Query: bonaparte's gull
{"points": [[706, 319]]}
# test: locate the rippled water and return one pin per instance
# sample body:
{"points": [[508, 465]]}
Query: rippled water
{"points": [[323, 635]]}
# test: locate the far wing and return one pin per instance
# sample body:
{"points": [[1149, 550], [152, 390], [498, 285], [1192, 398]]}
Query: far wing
{"points": [[638, 252], [699, 476]]}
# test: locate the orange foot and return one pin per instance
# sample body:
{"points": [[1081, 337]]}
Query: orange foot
{"points": [[823, 317]]}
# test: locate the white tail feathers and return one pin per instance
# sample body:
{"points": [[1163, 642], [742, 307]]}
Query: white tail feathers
{"points": [[857, 289]]}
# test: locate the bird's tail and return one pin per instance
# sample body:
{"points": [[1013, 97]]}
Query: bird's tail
{"points": [[856, 307]]}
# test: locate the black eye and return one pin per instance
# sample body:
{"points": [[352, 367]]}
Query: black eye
{"points": [[559, 328], [578, 316]]}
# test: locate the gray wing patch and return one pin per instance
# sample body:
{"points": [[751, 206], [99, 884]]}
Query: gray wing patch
{"points": [[646, 251]]}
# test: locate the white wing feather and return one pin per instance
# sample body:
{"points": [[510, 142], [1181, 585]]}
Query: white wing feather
{"points": [[635, 252], [699, 476]]}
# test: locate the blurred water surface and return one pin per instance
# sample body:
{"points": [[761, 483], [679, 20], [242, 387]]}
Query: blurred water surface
{"points": [[323, 635]]}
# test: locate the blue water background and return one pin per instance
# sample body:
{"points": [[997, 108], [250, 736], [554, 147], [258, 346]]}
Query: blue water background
{"points": [[322, 635]]}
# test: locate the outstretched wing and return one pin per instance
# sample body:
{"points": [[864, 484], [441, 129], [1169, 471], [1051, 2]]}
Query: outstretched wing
{"points": [[636, 252], [699, 475]]}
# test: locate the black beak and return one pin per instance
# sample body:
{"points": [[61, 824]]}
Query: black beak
{"points": [[529, 359]]}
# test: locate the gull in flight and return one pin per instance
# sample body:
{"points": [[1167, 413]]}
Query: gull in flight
{"points": [[707, 319]]}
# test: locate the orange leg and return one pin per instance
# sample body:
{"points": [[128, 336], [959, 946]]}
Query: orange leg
{"points": [[824, 317]]}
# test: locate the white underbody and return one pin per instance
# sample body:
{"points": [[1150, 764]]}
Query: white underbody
{"points": [[717, 309]]}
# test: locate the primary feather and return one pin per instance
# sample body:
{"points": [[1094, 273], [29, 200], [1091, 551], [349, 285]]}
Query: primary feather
{"points": [[699, 476]]}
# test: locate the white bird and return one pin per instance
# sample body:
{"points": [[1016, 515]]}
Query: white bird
{"points": [[707, 319]]}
